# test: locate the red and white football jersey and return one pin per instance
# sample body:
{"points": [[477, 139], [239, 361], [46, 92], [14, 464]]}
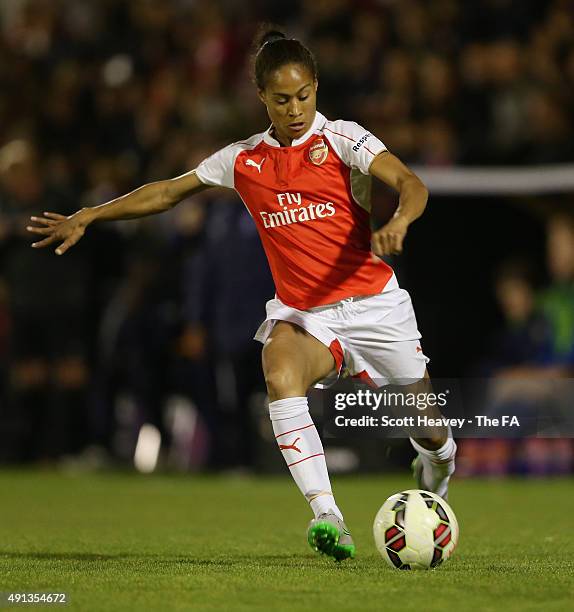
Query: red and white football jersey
{"points": [[311, 205]]}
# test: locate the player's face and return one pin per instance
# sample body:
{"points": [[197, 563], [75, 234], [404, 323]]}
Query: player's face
{"points": [[291, 100]]}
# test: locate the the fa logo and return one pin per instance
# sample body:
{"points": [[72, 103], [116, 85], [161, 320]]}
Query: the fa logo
{"points": [[318, 152]]}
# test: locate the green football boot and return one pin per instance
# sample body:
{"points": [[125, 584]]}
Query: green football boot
{"points": [[328, 535]]}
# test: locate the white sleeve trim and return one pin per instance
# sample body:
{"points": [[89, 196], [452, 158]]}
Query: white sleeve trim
{"points": [[219, 169], [355, 145]]}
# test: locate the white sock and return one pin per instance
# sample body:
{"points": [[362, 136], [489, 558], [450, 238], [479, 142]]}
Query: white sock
{"points": [[438, 465], [301, 446]]}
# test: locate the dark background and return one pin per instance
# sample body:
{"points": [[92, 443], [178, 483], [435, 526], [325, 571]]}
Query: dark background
{"points": [[150, 321]]}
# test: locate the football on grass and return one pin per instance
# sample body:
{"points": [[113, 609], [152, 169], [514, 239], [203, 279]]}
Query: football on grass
{"points": [[415, 529]]}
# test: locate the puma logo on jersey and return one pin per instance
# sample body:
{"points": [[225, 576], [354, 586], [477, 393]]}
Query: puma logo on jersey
{"points": [[250, 162]]}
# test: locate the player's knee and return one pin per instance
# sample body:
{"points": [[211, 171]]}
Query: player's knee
{"points": [[283, 382]]}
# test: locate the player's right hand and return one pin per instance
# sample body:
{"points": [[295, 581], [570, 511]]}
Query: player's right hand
{"points": [[389, 239], [58, 227]]}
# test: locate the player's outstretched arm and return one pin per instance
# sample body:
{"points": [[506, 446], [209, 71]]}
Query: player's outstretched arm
{"points": [[413, 196], [150, 199]]}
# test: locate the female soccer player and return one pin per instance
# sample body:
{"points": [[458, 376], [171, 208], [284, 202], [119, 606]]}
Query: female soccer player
{"points": [[305, 182]]}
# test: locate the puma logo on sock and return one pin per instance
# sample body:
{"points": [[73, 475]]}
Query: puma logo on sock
{"points": [[290, 446]]}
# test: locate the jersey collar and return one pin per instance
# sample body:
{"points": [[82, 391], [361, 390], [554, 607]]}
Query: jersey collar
{"points": [[317, 124]]}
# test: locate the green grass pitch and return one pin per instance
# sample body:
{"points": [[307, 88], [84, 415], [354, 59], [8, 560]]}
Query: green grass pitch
{"points": [[125, 542]]}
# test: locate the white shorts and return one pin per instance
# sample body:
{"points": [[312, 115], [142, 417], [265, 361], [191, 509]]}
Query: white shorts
{"points": [[374, 337]]}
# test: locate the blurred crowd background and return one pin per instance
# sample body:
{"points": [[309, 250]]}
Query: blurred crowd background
{"points": [[150, 321]]}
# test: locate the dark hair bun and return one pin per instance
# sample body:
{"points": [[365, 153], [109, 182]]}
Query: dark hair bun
{"points": [[270, 36], [268, 56]]}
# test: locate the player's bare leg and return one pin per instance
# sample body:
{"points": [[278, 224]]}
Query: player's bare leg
{"points": [[435, 446], [293, 360]]}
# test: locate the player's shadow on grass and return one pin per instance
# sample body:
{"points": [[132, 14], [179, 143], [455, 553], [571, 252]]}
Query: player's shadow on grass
{"points": [[65, 556], [286, 560]]}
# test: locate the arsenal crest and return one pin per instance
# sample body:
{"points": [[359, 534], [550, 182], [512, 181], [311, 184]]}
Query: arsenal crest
{"points": [[318, 152]]}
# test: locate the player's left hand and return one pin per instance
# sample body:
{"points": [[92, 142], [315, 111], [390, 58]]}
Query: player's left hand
{"points": [[389, 239]]}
